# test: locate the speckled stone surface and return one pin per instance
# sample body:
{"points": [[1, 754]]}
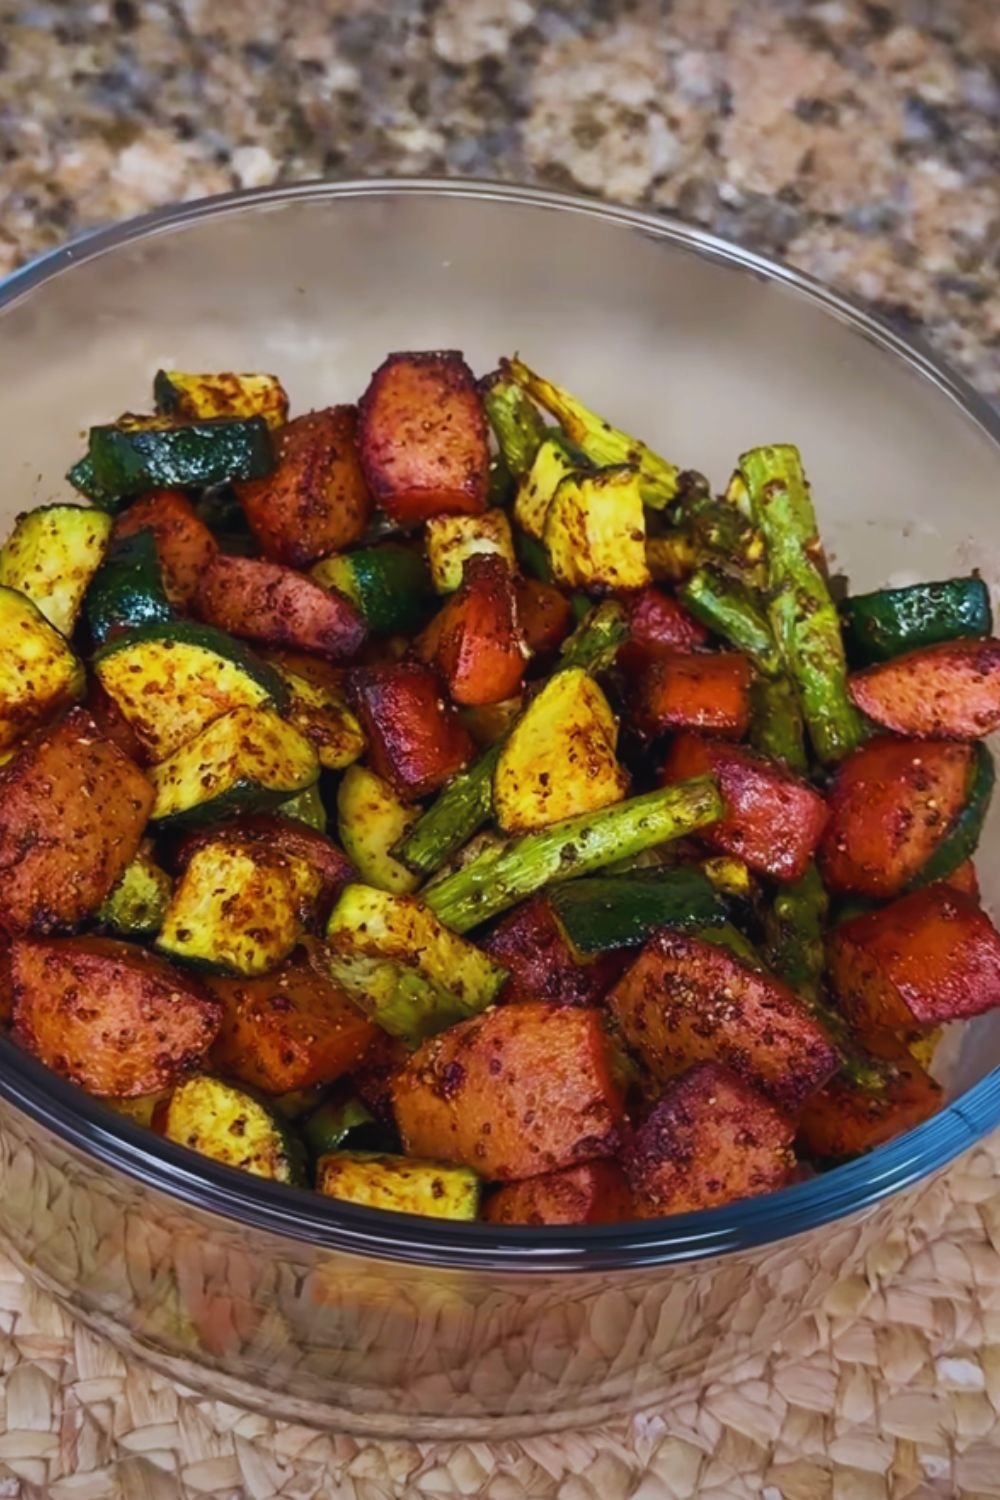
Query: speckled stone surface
{"points": [[860, 141]]}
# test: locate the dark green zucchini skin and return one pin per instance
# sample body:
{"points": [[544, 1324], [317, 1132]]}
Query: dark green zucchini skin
{"points": [[126, 460], [532, 556], [81, 476], [190, 632], [127, 590], [345, 1124], [604, 912], [962, 838], [392, 587], [886, 623]]}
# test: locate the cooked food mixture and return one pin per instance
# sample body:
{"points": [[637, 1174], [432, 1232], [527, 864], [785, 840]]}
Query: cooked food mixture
{"points": [[447, 803]]}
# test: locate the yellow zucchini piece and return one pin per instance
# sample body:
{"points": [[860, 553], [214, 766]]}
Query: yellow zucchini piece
{"points": [[672, 557], [191, 398], [52, 554], [171, 680], [401, 1184], [370, 821], [238, 908], [142, 1109], [560, 759], [38, 672], [551, 466], [135, 907], [406, 940], [323, 717], [233, 1127], [595, 531], [453, 539], [248, 760]]}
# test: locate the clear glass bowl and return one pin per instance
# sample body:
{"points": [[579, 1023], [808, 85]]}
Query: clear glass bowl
{"points": [[332, 1314]]}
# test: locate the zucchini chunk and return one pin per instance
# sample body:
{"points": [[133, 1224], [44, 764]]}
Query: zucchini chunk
{"points": [[593, 1193], [475, 640], [126, 460], [318, 708], [172, 680], [81, 477], [73, 810], [184, 544], [277, 833], [686, 1001], [315, 501], [388, 584], [560, 758], [51, 556], [294, 1029], [950, 691], [269, 603], [711, 1139], [248, 760], [197, 398], [407, 940], [127, 591], [306, 807], [554, 461], [231, 1126], [595, 531], [452, 540], [38, 672], [890, 622], [416, 740], [892, 804], [337, 1121], [371, 821], [135, 907], [602, 443], [399, 1184], [422, 431], [113, 1018], [520, 1090], [238, 908], [604, 912]]}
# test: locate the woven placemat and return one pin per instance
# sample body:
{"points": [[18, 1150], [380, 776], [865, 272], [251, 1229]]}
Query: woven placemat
{"points": [[890, 1392]]}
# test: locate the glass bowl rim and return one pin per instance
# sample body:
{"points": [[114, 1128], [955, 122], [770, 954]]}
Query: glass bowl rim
{"points": [[97, 1133]]}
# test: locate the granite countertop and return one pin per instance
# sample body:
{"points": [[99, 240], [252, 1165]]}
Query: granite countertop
{"points": [[859, 141]]}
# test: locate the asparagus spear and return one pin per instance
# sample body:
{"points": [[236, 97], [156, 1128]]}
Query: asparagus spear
{"points": [[575, 846], [461, 808], [795, 927], [729, 609], [467, 801], [603, 444], [776, 727], [803, 615], [516, 422]]}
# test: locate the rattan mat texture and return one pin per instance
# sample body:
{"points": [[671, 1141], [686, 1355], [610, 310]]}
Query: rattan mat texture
{"points": [[890, 1392]]}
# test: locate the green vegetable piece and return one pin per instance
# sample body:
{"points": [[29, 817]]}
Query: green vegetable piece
{"points": [[532, 556], [371, 821], [728, 608], [962, 839], [603, 444], [888, 622], [390, 586], [803, 615], [576, 846], [731, 938], [135, 908], [603, 912], [517, 424], [463, 806], [335, 1122], [127, 590], [776, 727], [126, 460], [82, 477], [402, 1184], [595, 641], [306, 807], [51, 556], [234, 1127]]}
